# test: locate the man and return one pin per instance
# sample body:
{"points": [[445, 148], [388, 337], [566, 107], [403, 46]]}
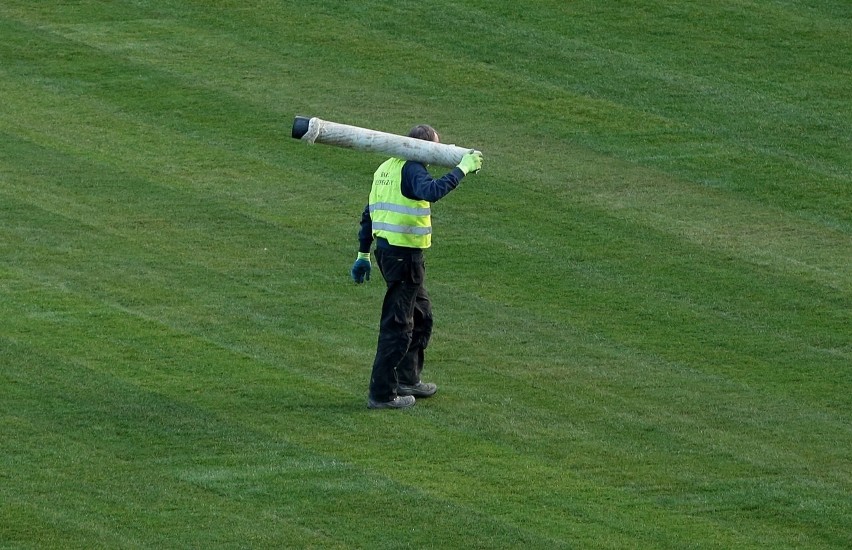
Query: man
{"points": [[398, 217]]}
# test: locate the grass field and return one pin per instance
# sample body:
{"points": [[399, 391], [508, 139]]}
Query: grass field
{"points": [[643, 302]]}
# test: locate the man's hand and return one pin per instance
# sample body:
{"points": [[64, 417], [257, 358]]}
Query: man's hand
{"points": [[471, 162], [361, 268]]}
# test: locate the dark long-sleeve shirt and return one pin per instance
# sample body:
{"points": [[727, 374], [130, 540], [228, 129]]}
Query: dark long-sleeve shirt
{"points": [[418, 185]]}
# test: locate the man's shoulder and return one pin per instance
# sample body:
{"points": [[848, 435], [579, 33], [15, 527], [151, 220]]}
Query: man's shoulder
{"points": [[413, 166]]}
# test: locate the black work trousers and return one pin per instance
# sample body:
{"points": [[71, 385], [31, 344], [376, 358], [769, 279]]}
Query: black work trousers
{"points": [[406, 324]]}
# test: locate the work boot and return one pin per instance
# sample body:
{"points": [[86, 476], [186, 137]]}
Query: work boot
{"points": [[420, 389], [400, 402]]}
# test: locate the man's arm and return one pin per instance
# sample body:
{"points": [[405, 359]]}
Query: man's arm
{"points": [[365, 234], [361, 268], [418, 184]]}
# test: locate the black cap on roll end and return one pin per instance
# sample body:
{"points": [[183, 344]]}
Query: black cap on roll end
{"points": [[300, 126]]}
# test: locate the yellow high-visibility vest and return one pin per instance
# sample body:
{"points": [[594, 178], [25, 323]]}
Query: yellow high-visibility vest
{"points": [[400, 220]]}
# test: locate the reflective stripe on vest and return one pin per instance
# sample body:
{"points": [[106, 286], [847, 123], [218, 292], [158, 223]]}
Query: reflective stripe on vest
{"points": [[405, 229], [399, 209], [400, 220]]}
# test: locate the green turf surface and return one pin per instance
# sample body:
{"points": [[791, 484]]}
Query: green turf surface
{"points": [[643, 302]]}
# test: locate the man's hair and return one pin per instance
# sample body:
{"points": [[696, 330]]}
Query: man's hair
{"points": [[424, 132]]}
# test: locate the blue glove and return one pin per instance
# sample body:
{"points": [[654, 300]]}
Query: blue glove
{"points": [[361, 268]]}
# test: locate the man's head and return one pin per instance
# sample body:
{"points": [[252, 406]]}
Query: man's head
{"points": [[424, 132]]}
